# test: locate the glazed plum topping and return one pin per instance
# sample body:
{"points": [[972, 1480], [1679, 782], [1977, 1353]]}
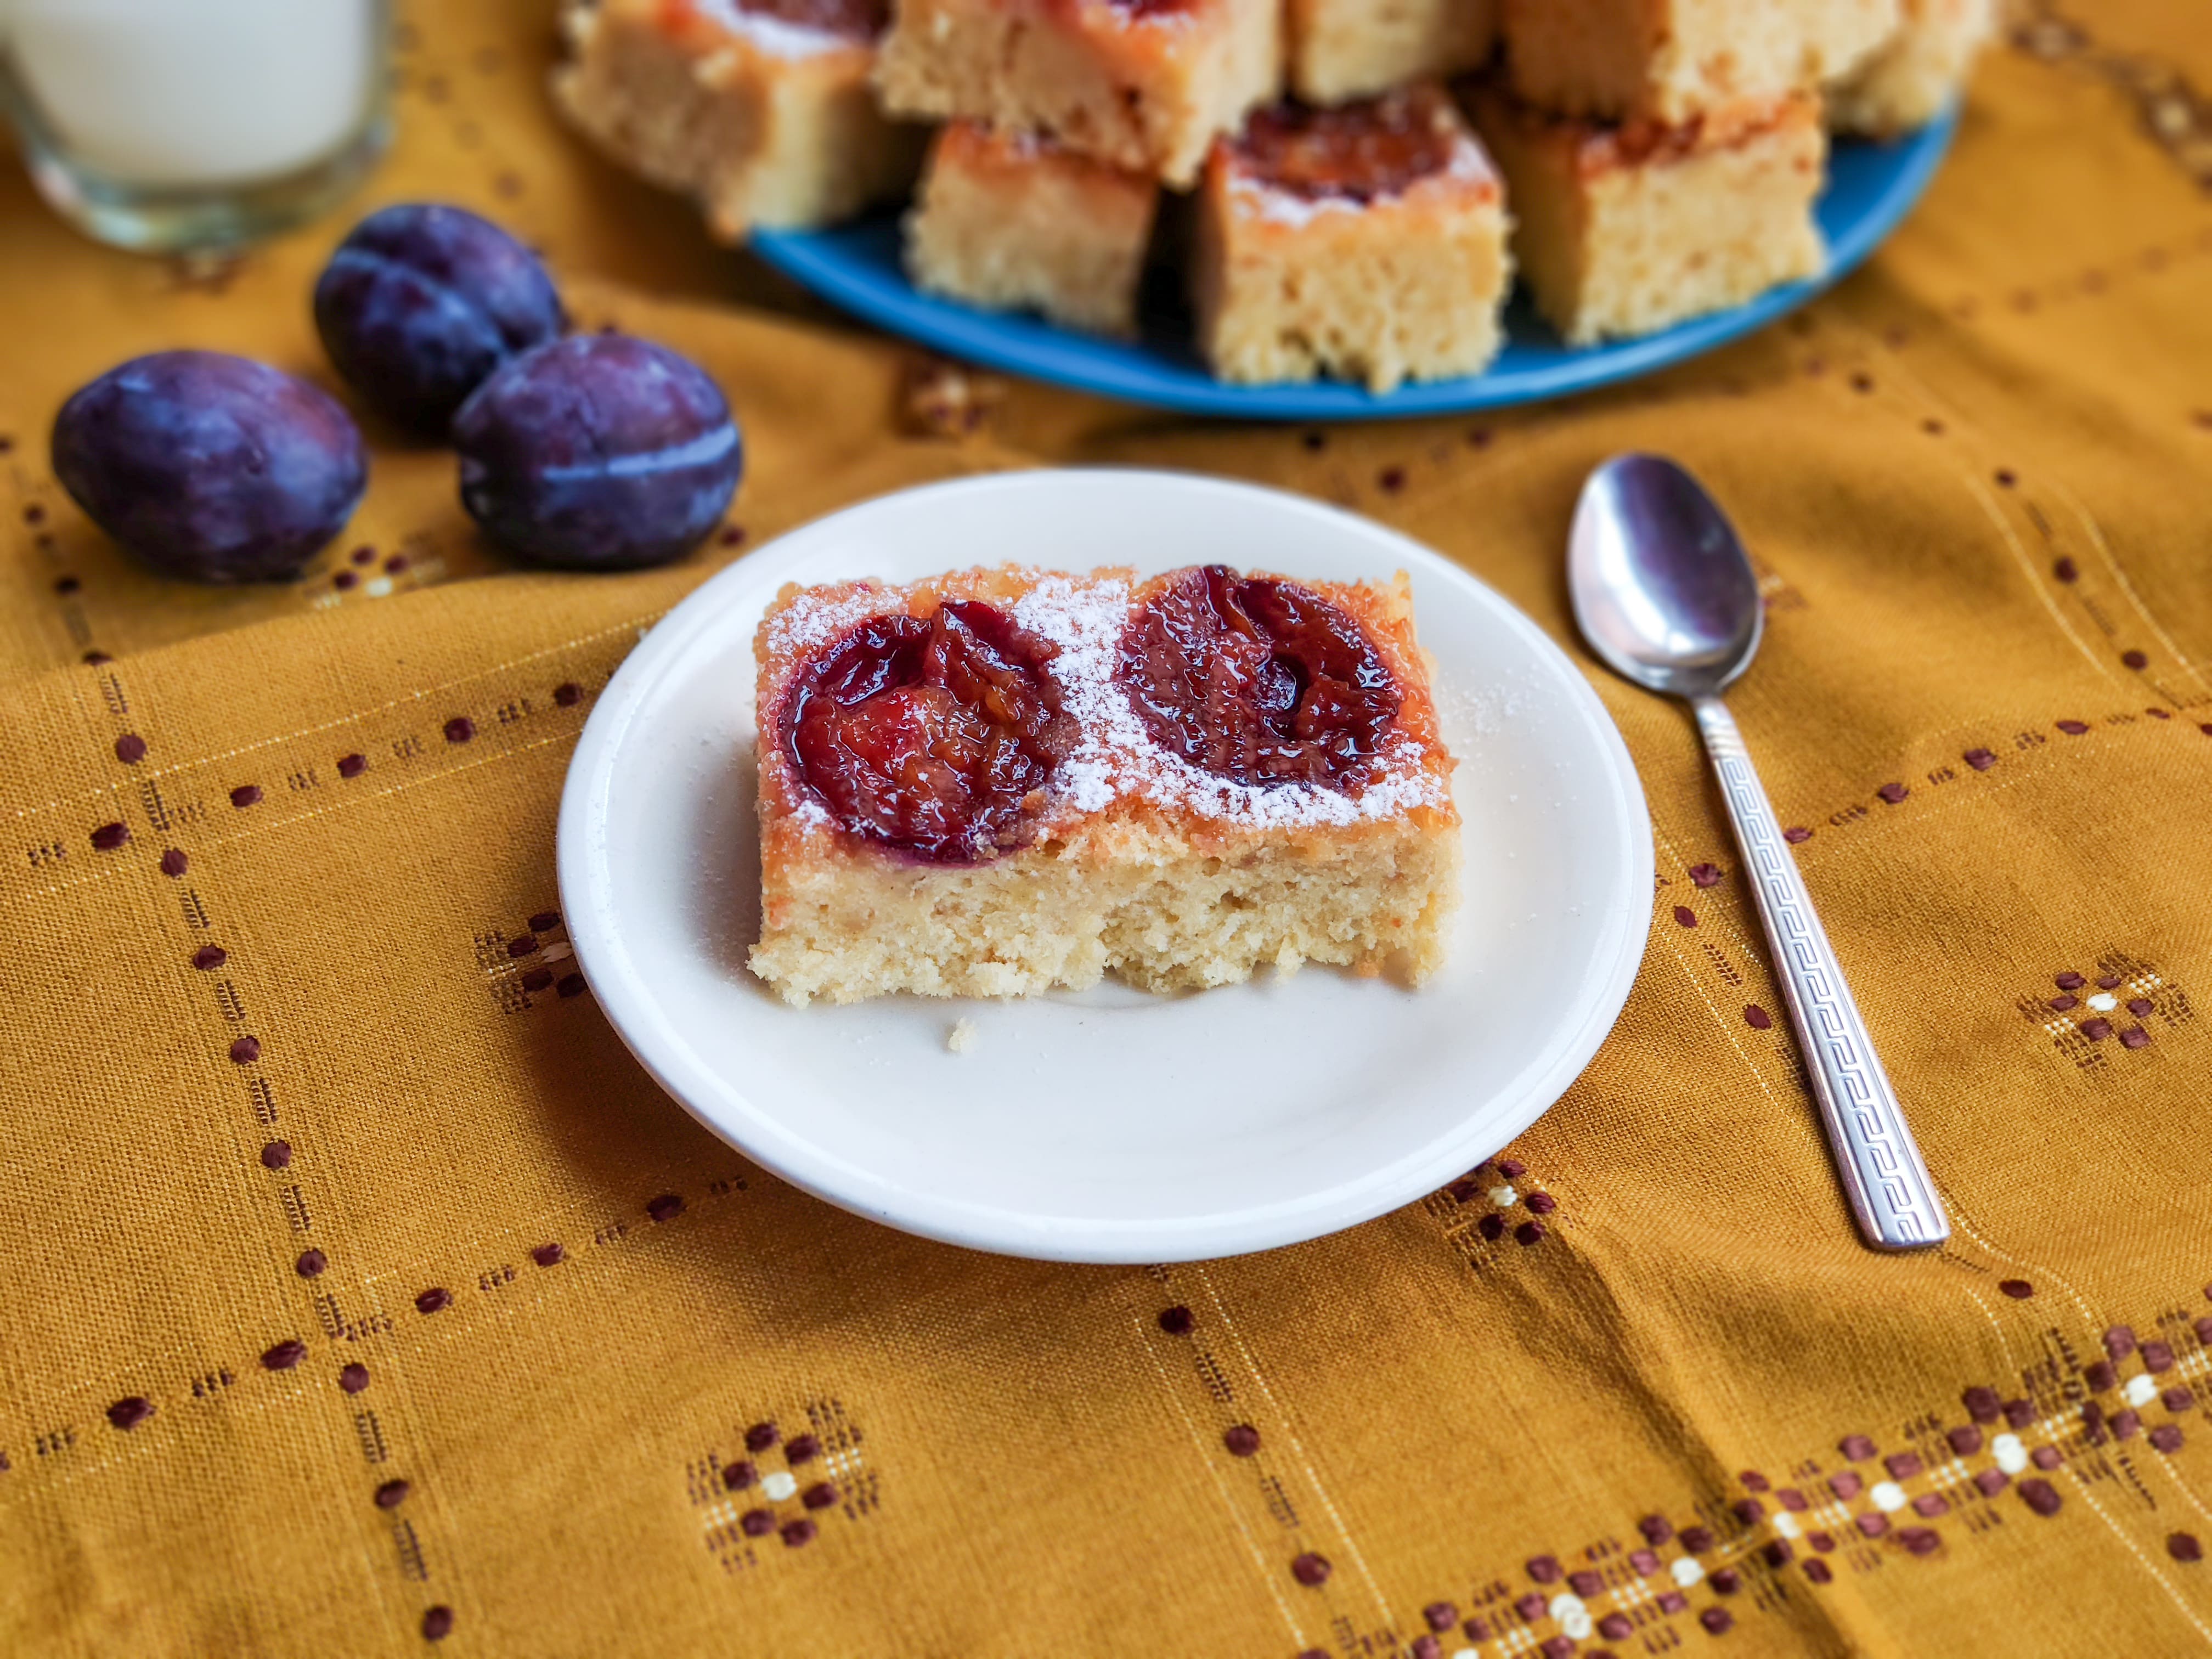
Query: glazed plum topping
{"points": [[1356, 152], [936, 735], [856, 20], [1258, 681], [1151, 8]]}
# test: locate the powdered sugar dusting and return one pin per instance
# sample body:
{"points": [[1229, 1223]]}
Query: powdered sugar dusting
{"points": [[1250, 193], [776, 35], [813, 619], [1278, 206], [1084, 617], [1471, 162]]}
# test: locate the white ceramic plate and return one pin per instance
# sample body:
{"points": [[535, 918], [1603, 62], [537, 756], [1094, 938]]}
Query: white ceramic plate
{"points": [[1111, 1124]]}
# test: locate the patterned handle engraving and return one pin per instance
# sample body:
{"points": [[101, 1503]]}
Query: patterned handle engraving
{"points": [[1887, 1183]]}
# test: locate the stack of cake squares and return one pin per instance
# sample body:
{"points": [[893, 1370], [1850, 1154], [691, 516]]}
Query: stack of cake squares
{"points": [[1347, 187]]}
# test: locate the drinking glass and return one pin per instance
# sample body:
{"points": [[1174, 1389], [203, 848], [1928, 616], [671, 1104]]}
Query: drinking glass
{"points": [[195, 125]]}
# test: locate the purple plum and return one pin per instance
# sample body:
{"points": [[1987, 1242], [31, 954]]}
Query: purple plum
{"points": [[420, 302], [599, 452], [209, 466]]}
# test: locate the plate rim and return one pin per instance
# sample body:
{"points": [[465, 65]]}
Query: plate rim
{"points": [[1065, 357], [618, 986]]}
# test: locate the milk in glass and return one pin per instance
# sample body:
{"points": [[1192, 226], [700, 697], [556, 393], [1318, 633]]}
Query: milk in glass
{"points": [[179, 92], [122, 102]]}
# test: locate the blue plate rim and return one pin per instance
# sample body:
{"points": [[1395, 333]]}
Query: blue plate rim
{"points": [[1027, 346]]}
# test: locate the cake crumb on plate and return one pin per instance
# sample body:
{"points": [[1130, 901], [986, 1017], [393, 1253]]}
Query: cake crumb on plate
{"points": [[962, 1038]]}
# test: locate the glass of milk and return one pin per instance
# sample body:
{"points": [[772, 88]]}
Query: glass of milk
{"points": [[167, 125]]}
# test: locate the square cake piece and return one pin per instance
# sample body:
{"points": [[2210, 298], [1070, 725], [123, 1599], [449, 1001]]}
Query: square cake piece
{"points": [[1916, 72], [1668, 60], [1623, 230], [1140, 84], [1009, 220], [1344, 48], [1366, 241], [1003, 781], [761, 109]]}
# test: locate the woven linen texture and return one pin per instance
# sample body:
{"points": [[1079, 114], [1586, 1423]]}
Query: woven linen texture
{"points": [[427, 1313]]}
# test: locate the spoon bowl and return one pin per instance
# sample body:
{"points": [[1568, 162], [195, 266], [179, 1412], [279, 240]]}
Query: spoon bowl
{"points": [[1663, 589]]}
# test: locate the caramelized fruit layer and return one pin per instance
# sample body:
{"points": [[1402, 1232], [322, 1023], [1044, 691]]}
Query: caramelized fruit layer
{"points": [[1257, 681], [1151, 8], [935, 735], [856, 20], [1357, 152]]}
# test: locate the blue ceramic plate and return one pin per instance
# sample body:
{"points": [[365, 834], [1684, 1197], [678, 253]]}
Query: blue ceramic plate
{"points": [[1870, 188]]}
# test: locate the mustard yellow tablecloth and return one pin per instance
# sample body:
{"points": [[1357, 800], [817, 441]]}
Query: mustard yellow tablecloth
{"points": [[1977, 480]]}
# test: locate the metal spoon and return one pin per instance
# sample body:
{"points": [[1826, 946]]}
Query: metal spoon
{"points": [[1663, 593]]}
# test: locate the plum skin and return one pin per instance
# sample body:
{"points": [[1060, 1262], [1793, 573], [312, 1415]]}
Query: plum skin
{"points": [[421, 301], [208, 467], [599, 452]]}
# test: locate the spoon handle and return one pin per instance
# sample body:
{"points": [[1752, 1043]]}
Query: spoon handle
{"points": [[1887, 1184]]}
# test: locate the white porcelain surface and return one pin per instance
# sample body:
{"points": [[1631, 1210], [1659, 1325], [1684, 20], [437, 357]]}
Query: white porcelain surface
{"points": [[1111, 1125]]}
